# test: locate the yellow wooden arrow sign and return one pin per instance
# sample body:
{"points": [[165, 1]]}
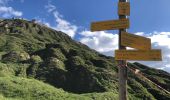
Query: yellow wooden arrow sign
{"points": [[135, 41], [110, 25], [124, 8], [141, 55]]}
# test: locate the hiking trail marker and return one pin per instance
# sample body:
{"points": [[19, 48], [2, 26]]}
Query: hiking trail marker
{"points": [[124, 8], [110, 25], [140, 55], [135, 41], [142, 44]]}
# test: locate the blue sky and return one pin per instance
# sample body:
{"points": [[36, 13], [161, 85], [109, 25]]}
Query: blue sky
{"points": [[146, 15], [149, 18]]}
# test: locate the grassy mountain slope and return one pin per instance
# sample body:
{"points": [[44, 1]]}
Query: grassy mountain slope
{"points": [[30, 89], [30, 50]]}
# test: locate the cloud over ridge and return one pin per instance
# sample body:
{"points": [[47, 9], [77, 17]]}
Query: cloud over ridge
{"points": [[7, 11]]}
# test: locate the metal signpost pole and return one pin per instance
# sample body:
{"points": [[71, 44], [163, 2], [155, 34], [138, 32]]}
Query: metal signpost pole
{"points": [[122, 66]]}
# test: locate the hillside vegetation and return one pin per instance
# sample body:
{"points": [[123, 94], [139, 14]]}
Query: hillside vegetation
{"points": [[39, 63]]}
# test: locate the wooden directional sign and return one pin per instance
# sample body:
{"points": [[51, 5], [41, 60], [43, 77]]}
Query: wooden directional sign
{"points": [[124, 8], [141, 55], [135, 41], [110, 25]]}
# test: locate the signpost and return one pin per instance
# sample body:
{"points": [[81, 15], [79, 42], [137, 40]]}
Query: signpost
{"points": [[124, 8], [110, 25], [123, 69], [140, 55], [135, 41], [143, 45]]}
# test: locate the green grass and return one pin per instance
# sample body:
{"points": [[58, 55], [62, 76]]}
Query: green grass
{"points": [[17, 88], [102, 96], [31, 89]]}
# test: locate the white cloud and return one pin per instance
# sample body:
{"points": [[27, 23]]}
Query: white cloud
{"points": [[161, 40], [140, 33], [101, 41], [6, 11], [65, 26], [50, 7], [62, 24], [106, 43], [42, 21]]}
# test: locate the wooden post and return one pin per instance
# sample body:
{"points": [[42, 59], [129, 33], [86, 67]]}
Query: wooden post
{"points": [[122, 66]]}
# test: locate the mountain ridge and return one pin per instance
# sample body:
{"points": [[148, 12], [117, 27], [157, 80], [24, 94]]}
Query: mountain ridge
{"points": [[31, 50]]}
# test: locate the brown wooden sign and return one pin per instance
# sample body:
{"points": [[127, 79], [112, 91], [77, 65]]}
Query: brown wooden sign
{"points": [[110, 25], [135, 41], [124, 8], [141, 55]]}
